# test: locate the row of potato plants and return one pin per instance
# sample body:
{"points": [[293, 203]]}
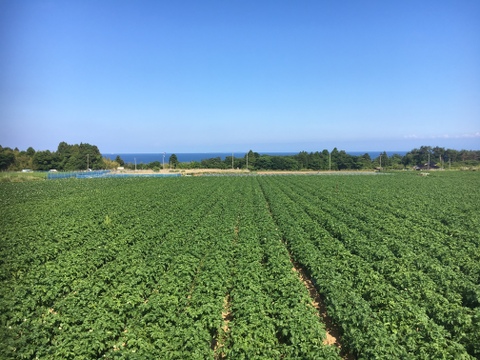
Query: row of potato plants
{"points": [[271, 312], [404, 259], [324, 240]]}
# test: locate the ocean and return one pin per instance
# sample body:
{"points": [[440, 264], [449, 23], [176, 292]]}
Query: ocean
{"points": [[145, 158]]}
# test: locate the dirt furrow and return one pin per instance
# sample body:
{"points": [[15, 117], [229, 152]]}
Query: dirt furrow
{"points": [[333, 331]]}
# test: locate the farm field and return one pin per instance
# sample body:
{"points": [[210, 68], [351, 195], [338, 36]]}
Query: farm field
{"points": [[208, 267]]}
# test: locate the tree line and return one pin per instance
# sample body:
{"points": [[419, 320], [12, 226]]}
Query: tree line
{"points": [[85, 156], [66, 158], [423, 157]]}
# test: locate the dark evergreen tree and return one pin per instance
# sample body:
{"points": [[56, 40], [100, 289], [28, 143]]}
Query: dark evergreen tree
{"points": [[119, 161], [7, 158], [173, 161]]}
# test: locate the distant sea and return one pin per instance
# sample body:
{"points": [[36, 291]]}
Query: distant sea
{"points": [[146, 158]]}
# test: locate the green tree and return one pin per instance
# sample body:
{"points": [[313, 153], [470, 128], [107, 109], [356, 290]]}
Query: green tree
{"points": [[333, 159], [229, 163], [264, 162], [110, 164], [396, 162], [250, 159], [438, 154], [173, 161], [382, 160], [23, 161], [119, 160], [215, 163], [44, 160], [316, 161], [7, 158], [79, 157], [302, 159], [190, 165], [284, 163], [30, 152], [154, 165], [423, 155], [365, 161], [92, 154], [343, 160]]}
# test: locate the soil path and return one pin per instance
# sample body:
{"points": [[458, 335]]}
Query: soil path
{"points": [[333, 331]]}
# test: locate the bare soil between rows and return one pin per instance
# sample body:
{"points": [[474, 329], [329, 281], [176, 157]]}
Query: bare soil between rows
{"points": [[332, 330]]}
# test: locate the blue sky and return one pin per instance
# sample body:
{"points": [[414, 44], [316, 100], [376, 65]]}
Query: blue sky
{"points": [[206, 76]]}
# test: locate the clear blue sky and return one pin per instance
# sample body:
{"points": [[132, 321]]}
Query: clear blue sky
{"points": [[206, 76]]}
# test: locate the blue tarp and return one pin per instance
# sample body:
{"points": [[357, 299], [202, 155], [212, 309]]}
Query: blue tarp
{"points": [[102, 174]]}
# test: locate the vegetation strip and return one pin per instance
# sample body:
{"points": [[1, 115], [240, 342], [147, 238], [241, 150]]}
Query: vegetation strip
{"points": [[317, 302], [85, 156], [202, 267], [332, 331]]}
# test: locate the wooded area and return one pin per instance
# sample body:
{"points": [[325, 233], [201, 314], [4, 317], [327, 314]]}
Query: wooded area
{"points": [[85, 156]]}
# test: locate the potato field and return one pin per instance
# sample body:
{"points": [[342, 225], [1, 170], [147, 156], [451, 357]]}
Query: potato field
{"points": [[210, 267]]}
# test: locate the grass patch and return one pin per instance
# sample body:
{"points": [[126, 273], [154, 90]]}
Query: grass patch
{"points": [[11, 176]]}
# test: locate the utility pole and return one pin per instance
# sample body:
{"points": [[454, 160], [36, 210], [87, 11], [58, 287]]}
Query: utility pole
{"points": [[163, 161], [380, 162], [428, 166], [330, 161], [135, 163]]}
